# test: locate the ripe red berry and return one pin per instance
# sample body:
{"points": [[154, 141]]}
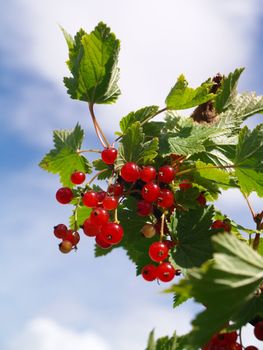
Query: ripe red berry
{"points": [[110, 203], [258, 330], [60, 231], [65, 247], [116, 189], [148, 230], [90, 199], [130, 172], [101, 195], [73, 237], [166, 174], [64, 195], [149, 272], [144, 208], [90, 229], [150, 192], [101, 242], [251, 347], [109, 155], [158, 251], [185, 185], [78, 178], [99, 216], [148, 173], [112, 233], [165, 198], [235, 346], [219, 224], [201, 199], [231, 337], [165, 272]]}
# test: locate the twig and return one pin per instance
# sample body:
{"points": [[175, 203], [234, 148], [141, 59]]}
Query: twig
{"points": [[98, 129], [96, 175], [88, 150]]}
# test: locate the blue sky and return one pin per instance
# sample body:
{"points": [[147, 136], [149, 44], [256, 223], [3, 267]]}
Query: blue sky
{"points": [[50, 301]]}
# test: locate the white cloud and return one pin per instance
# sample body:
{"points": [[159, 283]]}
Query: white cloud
{"points": [[158, 43], [45, 334]]}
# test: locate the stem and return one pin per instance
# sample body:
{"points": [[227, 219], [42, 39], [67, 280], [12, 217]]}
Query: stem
{"points": [[95, 176], [88, 150], [249, 205], [240, 337], [145, 121], [105, 143], [162, 227], [76, 215], [116, 216]]}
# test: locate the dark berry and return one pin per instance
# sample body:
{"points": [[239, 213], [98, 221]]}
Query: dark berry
{"points": [[258, 330], [185, 185], [64, 195], [116, 189], [148, 173], [158, 251], [150, 192], [101, 195], [130, 172], [109, 155], [112, 233], [223, 225], [201, 199], [251, 347], [99, 216], [78, 178], [144, 208], [149, 272], [165, 272], [166, 174], [110, 203], [60, 231], [165, 198], [90, 199]]}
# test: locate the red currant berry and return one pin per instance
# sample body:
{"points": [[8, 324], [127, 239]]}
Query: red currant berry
{"points": [[73, 237], [219, 224], [231, 337], [112, 233], [158, 251], [166, 174], [109, 155], [101, 195], [90, 229], [185, 185], [258, 330], [110, 203], [90, 199], [169, 244], [165, 198], [251, 347], [64, 195], [148, 173], [148, 230], [99, 216], [101, 242], [165, 272], [60, 231], [78, 178], [130, 172], [150, 192], [65, 247], [116, 189], [149, 272], [235, 346], [144, 208], [201, 199]]}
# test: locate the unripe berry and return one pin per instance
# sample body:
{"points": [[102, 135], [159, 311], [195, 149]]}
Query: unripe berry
{"points": [[148, 230], [65, 247]]}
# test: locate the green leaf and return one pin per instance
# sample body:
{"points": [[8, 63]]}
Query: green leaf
{"points": [[194, 237], [93, 62], [208, 171], [139, 116], [83, 213], [182, 97], [226, 286], [99, 165], [163, 343], [249, 160], [151, 341], [64, 159], [188, 199], [189, 138], [182, 292], [134, 147], [228, 91]]}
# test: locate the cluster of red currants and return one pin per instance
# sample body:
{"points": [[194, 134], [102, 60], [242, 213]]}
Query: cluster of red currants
{"points": [[69, 238], [228, 341]]}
